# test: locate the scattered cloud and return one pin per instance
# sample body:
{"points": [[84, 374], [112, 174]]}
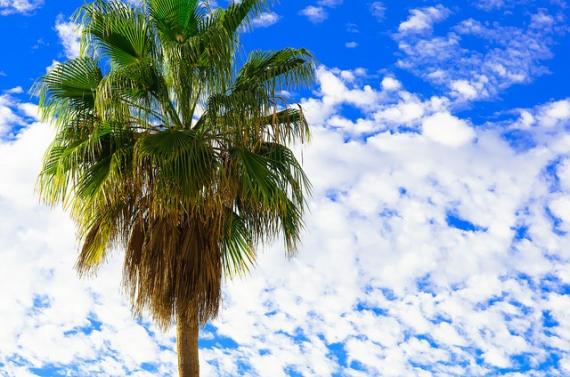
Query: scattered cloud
{"points": [[430, 252], [14, 114], [8, 114], [330, 3], [8, 7], [53, 64], [504, 56], [554, 114], [495, 5], [15, 90], [435, 245], [352, 28], [378, 10], [389, 108], [318, 13], [69, 34], [490, 4], [351, 44], [447, 129], [314, 14], [389, 83], [464, 89], [423, 19], [265, 19]]}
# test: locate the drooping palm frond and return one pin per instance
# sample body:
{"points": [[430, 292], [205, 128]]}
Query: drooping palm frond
{"points": [[287, 68], [237, 245], [67, 91], [182, 164], [287, 125], [174, 264], [271, 188], [239, 13], [188, 195]]}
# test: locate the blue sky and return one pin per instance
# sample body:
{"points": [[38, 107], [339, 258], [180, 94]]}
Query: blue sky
{"points": [[437, 243]]}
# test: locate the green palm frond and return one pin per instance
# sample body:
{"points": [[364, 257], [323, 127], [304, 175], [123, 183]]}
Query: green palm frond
{"points": [[239, 13], [117, 31], [96, 240], [67, 91], [238, 249], [182, 164], [288, 170], [273, 187], [177, 20], [112, 163], [285, 68], [257, 182]]}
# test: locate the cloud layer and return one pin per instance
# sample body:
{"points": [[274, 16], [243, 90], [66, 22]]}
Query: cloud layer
{"points": [[511, 55], [437, 249]]}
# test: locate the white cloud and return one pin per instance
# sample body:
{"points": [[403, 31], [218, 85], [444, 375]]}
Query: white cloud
{"points": [[382, 273], [29, 110], [422, 19], [378, 10], [54, 63], [490, 4], [352, 28], [318, 13], [314, 14], [265, 19], [15, 90], [69, 34], [330, 3], [335, 92], [388, 108], [494, 5], [542, 19], [390, 83], [561, 209], [555, 113], [564, 174], [512, 55], [351, 44], [446, 129], [19, 6], [404, 113], [9, 116], [464, 89]]}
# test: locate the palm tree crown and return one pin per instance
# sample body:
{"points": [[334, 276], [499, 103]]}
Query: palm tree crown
{"points": [[166, 149]]}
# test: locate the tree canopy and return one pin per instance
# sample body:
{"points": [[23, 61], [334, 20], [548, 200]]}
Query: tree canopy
{"points": [[169, 148]]}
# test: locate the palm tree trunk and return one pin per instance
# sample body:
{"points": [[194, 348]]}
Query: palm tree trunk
{"points": [[187, 330]]}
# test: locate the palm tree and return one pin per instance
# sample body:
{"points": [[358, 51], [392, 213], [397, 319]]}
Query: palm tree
{"points": [[167, 149]]}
